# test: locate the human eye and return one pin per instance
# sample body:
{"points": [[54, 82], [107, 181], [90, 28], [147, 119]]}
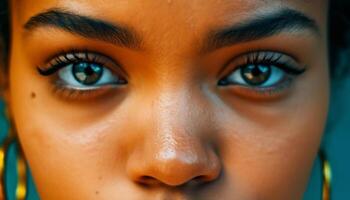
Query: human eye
{"points": [[263, 73], [82, 74]]}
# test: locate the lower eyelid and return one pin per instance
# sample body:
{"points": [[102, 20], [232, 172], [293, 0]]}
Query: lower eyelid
{"points": [[67, 93], [262, 93]]}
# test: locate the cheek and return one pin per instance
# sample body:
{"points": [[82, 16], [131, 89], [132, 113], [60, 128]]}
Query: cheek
{"points": [[257, 162], [56, 148], [79, 161], [271, 146]]}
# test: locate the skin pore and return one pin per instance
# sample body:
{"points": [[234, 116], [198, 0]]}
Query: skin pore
{"points": [[169, 104]]}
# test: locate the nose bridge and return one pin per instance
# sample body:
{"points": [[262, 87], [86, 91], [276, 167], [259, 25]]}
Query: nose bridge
{"points": [[179, 119], [175, 136], [174, 110], [176, 151]]}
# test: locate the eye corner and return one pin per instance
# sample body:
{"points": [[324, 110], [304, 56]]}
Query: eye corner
{"points": [[45, 71], [223, 82]]}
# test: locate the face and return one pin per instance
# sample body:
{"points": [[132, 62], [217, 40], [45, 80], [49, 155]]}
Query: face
{"points": [[169, 99]]}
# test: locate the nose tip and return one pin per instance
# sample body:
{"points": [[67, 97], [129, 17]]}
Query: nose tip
{"points": [[174, 169]]}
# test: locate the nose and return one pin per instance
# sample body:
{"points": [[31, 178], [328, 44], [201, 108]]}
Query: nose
{"points": [[176, 149], [175, 167]]}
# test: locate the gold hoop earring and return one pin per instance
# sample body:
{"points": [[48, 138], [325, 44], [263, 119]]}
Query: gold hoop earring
{"points": [[326, 177], [21, 190], [2, 159], [10, 149]]}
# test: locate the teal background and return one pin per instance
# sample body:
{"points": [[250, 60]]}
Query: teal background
{"points": [[336, 142]]}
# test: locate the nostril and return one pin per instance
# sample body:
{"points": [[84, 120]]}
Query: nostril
{"points": [[199, 181], [148, 180]]}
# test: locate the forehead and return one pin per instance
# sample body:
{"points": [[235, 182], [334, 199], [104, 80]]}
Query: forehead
{"points": [[193, 12]]}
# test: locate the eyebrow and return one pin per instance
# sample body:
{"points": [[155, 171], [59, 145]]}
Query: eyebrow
{"points": [[261, 26], [85, 26]]}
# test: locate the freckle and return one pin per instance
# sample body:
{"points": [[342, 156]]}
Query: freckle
{"points": [[97, 192], [33, 95]]}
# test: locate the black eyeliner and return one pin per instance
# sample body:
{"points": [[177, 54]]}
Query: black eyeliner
{"points": [[292, 70], [63, 60], [51, 70]]}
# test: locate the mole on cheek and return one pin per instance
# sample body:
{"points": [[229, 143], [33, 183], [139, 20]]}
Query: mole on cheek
{"points": [[33, 95]]}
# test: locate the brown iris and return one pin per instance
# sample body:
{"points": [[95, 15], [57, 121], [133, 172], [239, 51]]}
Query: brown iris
{"points": [[256, 74]]}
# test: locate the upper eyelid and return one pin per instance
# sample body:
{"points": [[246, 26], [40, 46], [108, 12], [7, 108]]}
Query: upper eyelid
{"points": [[83, 56], [76, 56], [258, 53]]}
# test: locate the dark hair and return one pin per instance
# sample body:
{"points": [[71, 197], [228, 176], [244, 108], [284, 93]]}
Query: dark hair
{"points": [[4, 30], [4, 43], [339, 36], [339, 31]]}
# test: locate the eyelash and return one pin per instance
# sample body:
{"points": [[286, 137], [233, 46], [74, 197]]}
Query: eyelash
{"points": [[268, 58], [64, 59]]}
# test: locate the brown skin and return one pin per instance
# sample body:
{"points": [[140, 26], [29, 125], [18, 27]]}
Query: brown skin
{"points": [[171, 132]]}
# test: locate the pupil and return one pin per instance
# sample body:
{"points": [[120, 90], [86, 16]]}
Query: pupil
{"points": [[256, 74], [87, 73]]}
